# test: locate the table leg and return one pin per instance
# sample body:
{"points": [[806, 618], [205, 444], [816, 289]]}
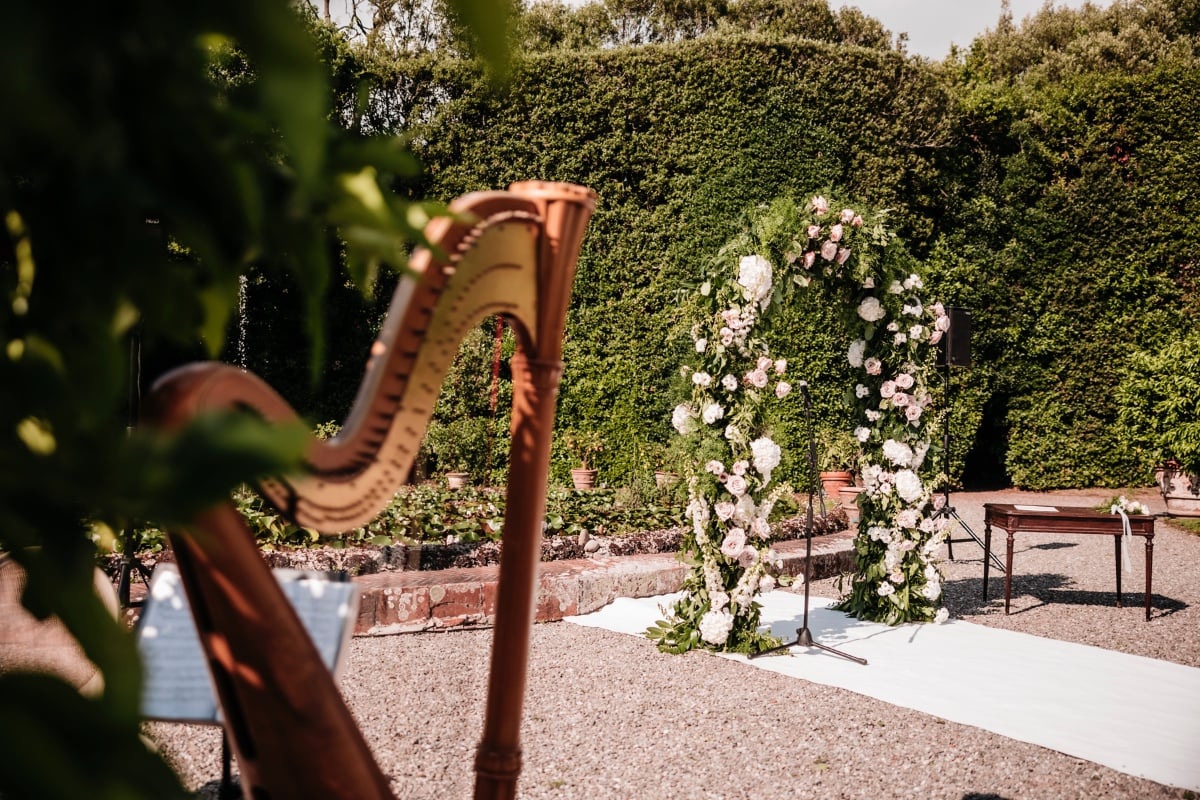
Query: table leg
{"points": [[1149, 571], [987, 554], [1117, 540], [1008, 572]]}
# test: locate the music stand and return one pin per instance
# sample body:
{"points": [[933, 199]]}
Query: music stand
{"points": [[804, 636]]}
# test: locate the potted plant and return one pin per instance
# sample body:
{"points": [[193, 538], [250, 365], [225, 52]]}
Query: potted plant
{"points": [[1158, 413], [837, 456], [666, 473], [457, 446], [583, 446]]}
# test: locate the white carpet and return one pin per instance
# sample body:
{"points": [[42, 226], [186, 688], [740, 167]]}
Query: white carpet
{"points": [[1136, 715]]}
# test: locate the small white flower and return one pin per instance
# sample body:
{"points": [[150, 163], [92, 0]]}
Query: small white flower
{"points": [[706, 288], [730, 382], [895, 288], [701, 344], [941, 616], [861, 391], [862, 434], [884, 590], [702, 379], [714, 466], [780, 366]]}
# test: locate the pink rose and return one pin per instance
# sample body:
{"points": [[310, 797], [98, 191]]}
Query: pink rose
{"points": [[780, 366], [835, 233], [843, 254], [726, 336], [887, 389], [748, 556], [782, 389], [820, 204], [829, 251], [764, 363], [912, 412], [904, 380], [736, 485], [809, 259], [873, 366], [935, 337], [900, 399], [724, 510], [813, 231], [857, 221], [757, 378], [734, 541], [847, 214]]}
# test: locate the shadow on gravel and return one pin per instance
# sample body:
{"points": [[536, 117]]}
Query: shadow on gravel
{"points": [[989, 796], [1053, 545], [966, 596]]}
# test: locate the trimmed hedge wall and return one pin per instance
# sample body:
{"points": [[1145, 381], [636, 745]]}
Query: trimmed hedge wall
{"points": [[1063, 215]]}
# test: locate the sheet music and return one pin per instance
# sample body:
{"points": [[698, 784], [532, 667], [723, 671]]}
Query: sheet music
{"points": [[177, 685], [1047, 509]]}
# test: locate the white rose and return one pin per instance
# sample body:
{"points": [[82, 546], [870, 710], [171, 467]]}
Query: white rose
{"points": [[711, 413], [862, 434], [701, 378], [683, 419], [871, 310]]}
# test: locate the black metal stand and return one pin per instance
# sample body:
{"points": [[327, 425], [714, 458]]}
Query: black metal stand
{"points": [[804, 636], [947, 510], [227, 791], [126, 567]]}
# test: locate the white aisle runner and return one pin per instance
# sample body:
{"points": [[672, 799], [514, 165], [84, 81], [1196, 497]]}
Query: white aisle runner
{"points": [[1136, 715]]}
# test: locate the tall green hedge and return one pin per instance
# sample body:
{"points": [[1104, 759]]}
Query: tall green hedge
{"points": [[1056, 201]]}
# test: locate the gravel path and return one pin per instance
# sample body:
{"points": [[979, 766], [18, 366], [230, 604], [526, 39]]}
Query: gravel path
{"points": [[607, 716]]}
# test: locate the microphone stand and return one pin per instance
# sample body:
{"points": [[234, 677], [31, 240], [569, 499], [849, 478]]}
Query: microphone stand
{"points": [[804, 636]]}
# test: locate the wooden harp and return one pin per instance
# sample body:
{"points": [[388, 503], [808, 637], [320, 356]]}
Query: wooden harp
{"points": [[288, 725]]}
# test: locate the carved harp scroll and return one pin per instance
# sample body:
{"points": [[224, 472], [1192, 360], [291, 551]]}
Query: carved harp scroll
{"points": [[292, 733]]}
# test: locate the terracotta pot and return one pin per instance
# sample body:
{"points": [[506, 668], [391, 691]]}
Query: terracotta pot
{"points": [[832, 482], [665, 480], [583, 478], [848, 498], [457, 480], [1180, 490]]}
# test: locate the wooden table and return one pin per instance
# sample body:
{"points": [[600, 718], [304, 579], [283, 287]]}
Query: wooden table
{"points": [[1062, 519]]}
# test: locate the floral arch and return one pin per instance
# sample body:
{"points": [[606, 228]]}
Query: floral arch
{"points": [[735, 380]]}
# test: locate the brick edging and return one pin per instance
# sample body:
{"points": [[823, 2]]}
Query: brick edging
{"points": [[405, 602]]}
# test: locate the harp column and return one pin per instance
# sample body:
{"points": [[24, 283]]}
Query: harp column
{"points": [[537, 370]]}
